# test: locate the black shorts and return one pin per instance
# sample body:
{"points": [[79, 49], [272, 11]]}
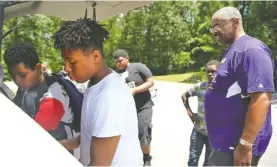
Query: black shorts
{"points": [[145, 125], [218, 158]]}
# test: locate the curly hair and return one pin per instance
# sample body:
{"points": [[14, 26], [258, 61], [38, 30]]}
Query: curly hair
{"points": [[21, 53], [84, 34]]}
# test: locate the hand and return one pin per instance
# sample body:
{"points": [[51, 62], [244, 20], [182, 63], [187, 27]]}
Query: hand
{"points": [[242, 155], [194, 117], [71, 144], [134, 91]]}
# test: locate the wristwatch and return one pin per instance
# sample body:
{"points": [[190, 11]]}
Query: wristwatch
{"points": [[245, 143]]}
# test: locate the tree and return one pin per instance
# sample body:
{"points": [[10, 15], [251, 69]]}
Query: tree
{"points": [[36, 29], [168, 36]]}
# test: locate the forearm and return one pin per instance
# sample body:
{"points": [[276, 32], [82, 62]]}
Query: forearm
{"points": [[144, 87], [255, 118], [100, 163], [99, 159], [185, 99]]}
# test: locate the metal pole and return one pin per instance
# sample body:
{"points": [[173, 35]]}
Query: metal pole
{"points": [[1, 27], [15, 27]]}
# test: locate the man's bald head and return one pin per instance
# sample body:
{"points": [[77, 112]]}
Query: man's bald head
{"points": [[227, 13]]}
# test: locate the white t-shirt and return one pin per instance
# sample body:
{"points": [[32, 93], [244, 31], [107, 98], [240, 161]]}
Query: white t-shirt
{"points": [[109, 110]]}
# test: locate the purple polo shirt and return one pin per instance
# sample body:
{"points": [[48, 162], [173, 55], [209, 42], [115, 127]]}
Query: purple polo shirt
{"points": [[247, 66]]}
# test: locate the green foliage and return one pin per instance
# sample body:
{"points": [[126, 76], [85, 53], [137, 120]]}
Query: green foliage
{"points": [[182, 60], [168, 36], [38, 30]]}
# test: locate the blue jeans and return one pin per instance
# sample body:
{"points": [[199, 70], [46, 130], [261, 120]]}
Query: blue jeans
{"points": [[197, 142]]}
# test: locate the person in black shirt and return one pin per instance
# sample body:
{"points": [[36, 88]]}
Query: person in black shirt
{"points": [[139, 78]]}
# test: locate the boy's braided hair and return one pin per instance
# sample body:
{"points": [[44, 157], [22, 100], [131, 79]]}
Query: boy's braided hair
{"points": [[85, 34]]}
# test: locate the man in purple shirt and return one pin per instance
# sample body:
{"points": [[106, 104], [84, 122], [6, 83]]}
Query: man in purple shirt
{"points": [[237, 105]]}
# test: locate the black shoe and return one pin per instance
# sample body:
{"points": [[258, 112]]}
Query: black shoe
{"points": [[147, 161]]}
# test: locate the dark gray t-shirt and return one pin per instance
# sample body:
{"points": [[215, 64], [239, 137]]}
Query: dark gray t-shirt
{"points": [[136, 74]]}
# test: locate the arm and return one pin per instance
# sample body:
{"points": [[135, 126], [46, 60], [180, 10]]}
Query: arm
{"points": [[108, 123], [256, 80], [255, 117], [102, 150], [258, 76], [185, 98], [70, 144], [149, 82], [145, 86], [49, 114]]}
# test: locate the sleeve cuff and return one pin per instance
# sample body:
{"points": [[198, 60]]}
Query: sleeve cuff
{"points": [[106, 134]]}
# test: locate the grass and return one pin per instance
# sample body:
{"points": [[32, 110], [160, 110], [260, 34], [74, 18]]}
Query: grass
{"points": [[192, 77]]}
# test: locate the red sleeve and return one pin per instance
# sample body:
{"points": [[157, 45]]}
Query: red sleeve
{"points": [[49, 114]]}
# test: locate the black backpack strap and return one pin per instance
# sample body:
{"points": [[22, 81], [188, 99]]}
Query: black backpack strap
{"points": [[18, 97]]}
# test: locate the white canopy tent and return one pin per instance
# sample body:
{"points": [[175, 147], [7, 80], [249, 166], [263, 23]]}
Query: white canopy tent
{"points": [[71, 10]]}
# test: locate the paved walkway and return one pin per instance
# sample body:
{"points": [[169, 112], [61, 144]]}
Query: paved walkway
{"points": [[172, 128]]}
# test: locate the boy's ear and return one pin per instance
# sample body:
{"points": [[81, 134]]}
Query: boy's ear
{"points": [[96, 55]]}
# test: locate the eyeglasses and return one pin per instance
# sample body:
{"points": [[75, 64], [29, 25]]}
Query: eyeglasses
{"points": [[218, 26]]}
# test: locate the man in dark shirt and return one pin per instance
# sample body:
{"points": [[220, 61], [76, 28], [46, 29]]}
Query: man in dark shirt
{"points": [[139, 79]]}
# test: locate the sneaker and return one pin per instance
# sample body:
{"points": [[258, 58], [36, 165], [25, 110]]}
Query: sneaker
{"points": [[147, 161]]}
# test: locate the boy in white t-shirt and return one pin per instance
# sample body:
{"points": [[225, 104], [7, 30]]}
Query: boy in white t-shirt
{"points": [[109, 124]]}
